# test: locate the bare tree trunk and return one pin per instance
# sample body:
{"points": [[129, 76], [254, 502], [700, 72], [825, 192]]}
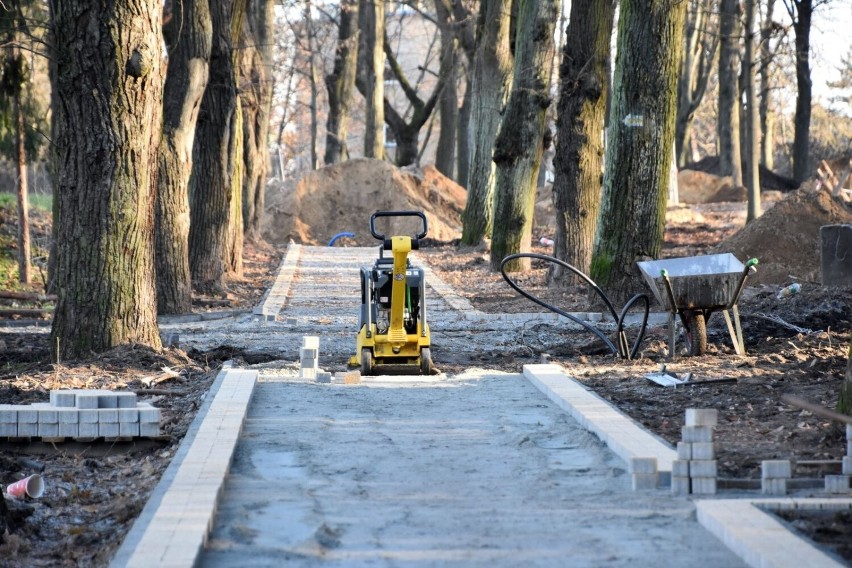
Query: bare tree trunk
{"points": [[189, 35], [215, 186], [801, 138], [445, 157], [752, 117], [371, 18], [313, 79], [584, 80], [638, 157], [468, 44], [730, 159], [521, 139], [844, 401], [24, 252], [767, 119], [492, 76], [108, 74], [340, 84]]}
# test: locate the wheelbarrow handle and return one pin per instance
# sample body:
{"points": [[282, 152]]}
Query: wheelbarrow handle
{"points": [[664, 274], [750, 268]]}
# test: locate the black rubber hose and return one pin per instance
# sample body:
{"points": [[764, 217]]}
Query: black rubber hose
{"points": [[621, 352]]}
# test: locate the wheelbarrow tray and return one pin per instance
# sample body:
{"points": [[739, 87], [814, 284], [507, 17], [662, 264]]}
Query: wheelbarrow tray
{"points": [[706, 282]]}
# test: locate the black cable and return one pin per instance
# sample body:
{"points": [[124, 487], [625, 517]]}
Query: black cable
{"points": [[621, 350]]}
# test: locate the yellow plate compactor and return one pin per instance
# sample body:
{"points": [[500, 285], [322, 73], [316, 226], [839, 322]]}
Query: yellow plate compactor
{"points": [[393, 335]]}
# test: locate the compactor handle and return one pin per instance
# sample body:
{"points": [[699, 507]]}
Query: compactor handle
{"points": [[384, 239]]}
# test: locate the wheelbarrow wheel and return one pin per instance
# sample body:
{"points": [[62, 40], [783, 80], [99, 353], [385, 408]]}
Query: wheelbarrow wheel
{"points": [[696, 333]]}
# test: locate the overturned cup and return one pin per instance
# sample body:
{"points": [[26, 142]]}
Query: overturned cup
{"points": [[32, 486]]}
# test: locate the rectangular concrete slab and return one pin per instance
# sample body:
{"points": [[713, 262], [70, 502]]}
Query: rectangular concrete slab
{"points": [[836, 254]]}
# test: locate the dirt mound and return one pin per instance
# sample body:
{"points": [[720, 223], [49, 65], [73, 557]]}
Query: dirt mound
{"points": [[342, 197], [785, 239], [768, 178], [702, 187]]}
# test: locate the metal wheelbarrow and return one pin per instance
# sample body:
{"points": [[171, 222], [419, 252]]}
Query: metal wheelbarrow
{"points": [[693, 287]]}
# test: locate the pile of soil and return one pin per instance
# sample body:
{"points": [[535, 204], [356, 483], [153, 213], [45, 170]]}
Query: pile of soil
{"points": [[785, 239], [342, 197]]}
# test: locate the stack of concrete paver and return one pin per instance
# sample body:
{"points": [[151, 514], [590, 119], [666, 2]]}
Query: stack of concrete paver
{"points": [[774, 475], [309, 361], [841, 483], [695, 469], [81, 414]]}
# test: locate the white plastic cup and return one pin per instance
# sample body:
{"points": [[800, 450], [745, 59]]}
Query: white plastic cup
{"points": [[32, 486], [546, 242]]}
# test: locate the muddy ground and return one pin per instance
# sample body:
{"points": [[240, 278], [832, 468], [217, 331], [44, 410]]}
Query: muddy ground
{"points": [[95, 495]]}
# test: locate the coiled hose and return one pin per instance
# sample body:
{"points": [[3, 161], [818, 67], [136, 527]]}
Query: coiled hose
{"points": [[622, 349]]}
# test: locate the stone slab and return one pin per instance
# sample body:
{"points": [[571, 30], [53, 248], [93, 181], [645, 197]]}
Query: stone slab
{"points": [[836, 254]]}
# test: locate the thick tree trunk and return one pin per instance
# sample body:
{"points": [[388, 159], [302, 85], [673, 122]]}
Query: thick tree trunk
{"points": [[638, 157], [340, 84], [520, 141], [463, 141], [752, 118], [189, 35], [492, 75], [371, 18], [215, 186], [844, 401], [584, 80], [802, 121], [24, 252], [108, 75], [253, 79], [445, 157], [730, 161]]}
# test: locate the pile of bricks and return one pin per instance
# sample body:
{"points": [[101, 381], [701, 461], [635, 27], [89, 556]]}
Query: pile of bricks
{"points": [[644, 474], [81, 414], [309, 361], [841, 483], [774, 475], [695, 469]]}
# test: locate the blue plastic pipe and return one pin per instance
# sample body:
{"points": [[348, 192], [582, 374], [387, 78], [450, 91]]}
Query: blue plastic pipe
{"points": [[339, 236]]}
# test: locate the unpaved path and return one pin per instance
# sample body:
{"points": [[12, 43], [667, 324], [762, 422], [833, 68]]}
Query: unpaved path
{"points": [[477, 468]]}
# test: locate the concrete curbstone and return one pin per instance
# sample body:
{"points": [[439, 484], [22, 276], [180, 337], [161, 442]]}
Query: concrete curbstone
{"points": [[703, 468], [684, 451], [107, 400], [149, 429], [149, 414], [63, 398], [48, 430], [128, 415], [837, 483], [693, 434], [308, 373], [680, 468], [680, 485], [86, 400], [89, 416], [645, 481], [644, 466], [773, 486], [68, 415], [108, 429], [69, 429], [849, 448], [125, 399], [308, 354], [702, 416], [323, 377], [87, 430], [48, 415], [703, 451], [310, 342], [128, 429], [776, 469], [8, 414], [27, 429], [847, 465], [9, 429], [108, 416], [703, 485]]}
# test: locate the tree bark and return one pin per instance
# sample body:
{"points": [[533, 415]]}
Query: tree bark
{"points": [[215, 186], [492, 76], [802, 120], [252, 84], [340, 84], [752, 118], [445, 157], [767, 119], [730, 160], [108, 75], [844, 401], [189, 35], [24, 250], [584, 85], [371, 22], [521, 139], [638, 157], [468, 45]]}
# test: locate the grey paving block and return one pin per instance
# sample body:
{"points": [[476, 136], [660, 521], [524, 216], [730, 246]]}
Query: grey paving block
{"points": [[837, 483], [148, 414], [309, 363], [684, 451], [680, 485], [645, 466], [66, 415], [27, 429], [644, 481], [87, 430], [774, 469], [703, 468], [69, 429], [703, 485], [849, 433], [847, 465], [307, 354], [88, 415], [323, 377], [47, 430], [108, 416], [27, 415], [773, 486], [107, 400], [8, 414], [694, 434], [310, 342], [86, 400], [63, 398], [125, 399], [849, 448], [48, 415], [128, 429], [149, 429], [836, 254], [8, 429], [702, 416], [108, 429], [680, 468], [130, 415], [704, 451], [308, 373]]}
